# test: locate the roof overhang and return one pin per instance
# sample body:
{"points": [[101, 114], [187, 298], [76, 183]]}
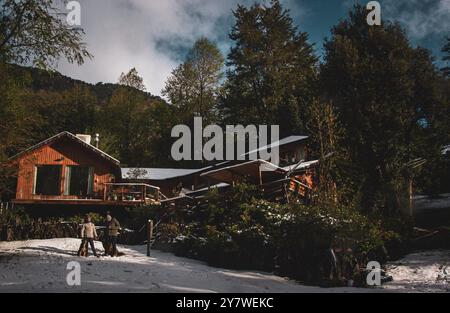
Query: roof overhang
{"points": [[255, 170], [70, 136]]}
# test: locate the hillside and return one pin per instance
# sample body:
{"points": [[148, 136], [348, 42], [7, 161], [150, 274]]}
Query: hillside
{"points": [[56, 82]]}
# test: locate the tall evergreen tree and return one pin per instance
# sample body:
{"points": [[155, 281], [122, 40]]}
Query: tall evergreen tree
{"points": [[446, 58], [384, 95], [272, 70]]}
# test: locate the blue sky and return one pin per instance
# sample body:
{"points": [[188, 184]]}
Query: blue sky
{"points": [[154, 35]]}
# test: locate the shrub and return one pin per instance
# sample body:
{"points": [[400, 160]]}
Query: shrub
{"points": [[240, 230], [167, 232], [96, 218]]}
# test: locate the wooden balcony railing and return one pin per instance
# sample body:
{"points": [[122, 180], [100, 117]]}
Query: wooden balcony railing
{"points": [[131, 192]]}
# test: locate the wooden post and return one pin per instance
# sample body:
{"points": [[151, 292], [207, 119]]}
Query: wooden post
{"points": [[286, 193], [260, 175], [149, 235], [410, 196]]}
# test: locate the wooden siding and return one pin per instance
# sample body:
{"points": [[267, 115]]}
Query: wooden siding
{"points": [[65, 153]]}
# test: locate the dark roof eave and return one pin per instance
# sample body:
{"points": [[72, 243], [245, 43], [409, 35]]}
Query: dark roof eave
{"points": [[73, 137]]}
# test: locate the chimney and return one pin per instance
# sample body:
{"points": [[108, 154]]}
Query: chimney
{"points": [[97, 139], [85, 138]]}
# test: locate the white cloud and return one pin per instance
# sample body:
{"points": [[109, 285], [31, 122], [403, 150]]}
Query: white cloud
{"points": [[140, 33], [421, 18], [148, 35]]}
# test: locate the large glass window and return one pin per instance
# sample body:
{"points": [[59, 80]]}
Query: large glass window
{"points": [[48, 180], [78, 181]]}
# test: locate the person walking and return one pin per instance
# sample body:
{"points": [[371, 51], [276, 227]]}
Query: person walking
{"points": [[88, 235]]}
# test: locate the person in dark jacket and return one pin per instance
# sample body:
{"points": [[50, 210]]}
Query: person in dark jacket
{"points": [[112, 230]]}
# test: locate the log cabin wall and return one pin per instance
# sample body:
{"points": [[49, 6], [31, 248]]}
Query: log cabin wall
{"points": [[64, 152]]}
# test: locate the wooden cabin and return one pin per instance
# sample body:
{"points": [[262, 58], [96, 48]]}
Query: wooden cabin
{"points": [[67, 169]]}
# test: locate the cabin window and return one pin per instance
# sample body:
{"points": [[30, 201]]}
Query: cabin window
{"points": [[79, 181], [47, 180]]}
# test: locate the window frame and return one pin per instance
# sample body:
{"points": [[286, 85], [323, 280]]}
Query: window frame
{"points": [[36, 177]]}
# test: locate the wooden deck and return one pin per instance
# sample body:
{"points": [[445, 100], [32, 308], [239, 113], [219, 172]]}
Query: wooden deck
{"points": [[114, 194], [84, 202]]}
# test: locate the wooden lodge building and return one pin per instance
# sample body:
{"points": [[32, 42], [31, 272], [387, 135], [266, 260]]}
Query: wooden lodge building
{"points": [[68, 170]]}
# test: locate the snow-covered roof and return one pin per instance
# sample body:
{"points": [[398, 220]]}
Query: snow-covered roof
{"points": [[279, 143], [156, 173], [71, 136], [264, 166], [218, 186], [302, 165]]}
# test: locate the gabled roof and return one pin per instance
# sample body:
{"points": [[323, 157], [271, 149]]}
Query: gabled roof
{"points": [[71, 136]]}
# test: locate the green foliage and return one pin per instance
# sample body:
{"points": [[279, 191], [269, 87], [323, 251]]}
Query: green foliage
{"points": [[272, 70], [96, 218], [240, 230], [446, 58], [167, 232], [132, 79], [386, 96], [139, 216], [11, 217], [194, 85], [33, 32]]}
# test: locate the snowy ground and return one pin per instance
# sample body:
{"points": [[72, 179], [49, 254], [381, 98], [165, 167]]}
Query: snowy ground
{"points": [[40, 266], [427, 271]]}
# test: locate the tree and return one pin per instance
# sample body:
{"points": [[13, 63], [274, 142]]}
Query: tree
{"points": [[125, 121], [385, 99], [195, 84], [446, 57], [69, 110], [272, 70], [132, 79], [325, 132], [31, 31]]}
